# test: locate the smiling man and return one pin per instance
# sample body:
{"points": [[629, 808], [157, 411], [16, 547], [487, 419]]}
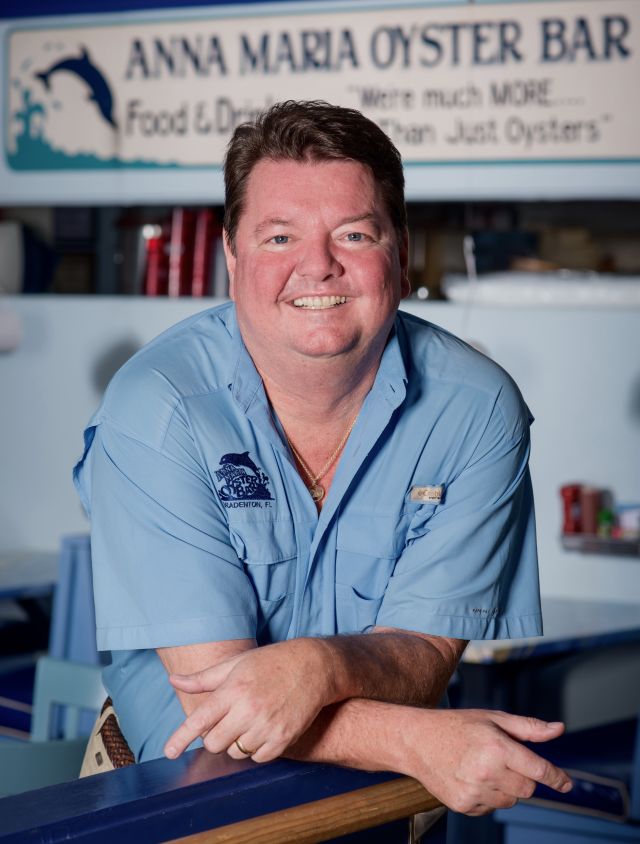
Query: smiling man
{"points": [[304, 503]]}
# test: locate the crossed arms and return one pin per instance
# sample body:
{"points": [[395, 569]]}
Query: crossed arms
{"points": [[360, 701]]}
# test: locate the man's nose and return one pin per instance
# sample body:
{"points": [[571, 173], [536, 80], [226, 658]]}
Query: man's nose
{"points": [[318, 260]]}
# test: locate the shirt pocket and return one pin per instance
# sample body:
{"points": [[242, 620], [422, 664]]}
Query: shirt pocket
{"points": [[269, 556], [367, 547], [418, 516], [355, 613]]}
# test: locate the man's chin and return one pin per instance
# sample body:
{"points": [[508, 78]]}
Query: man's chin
{"points": [[324, 348]]}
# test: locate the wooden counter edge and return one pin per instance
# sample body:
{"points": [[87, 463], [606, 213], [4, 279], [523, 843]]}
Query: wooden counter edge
{"points": [[322, 820]]}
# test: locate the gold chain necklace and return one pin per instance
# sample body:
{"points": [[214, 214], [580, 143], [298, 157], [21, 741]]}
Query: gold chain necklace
{"points": [[317, 490]]}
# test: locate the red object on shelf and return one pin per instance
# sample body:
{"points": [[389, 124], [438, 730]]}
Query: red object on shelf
{"points": [[571, 522], [205, 234], [181, 252], [156, 277], [590, 504]]}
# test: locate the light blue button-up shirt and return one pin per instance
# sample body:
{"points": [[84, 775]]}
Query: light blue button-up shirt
{"points": [[203, 530]]}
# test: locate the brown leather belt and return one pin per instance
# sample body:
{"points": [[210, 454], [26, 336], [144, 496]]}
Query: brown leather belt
{"points": [[115, 743]]}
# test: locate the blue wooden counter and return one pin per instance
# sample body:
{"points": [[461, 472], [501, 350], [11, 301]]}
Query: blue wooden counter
{"points": [[164, 800]]}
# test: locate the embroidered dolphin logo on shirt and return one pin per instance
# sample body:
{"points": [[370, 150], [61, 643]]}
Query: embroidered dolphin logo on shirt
{"points": [[239, 485], [82, 67], [242, 459]]}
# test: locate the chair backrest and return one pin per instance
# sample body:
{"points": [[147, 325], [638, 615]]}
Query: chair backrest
{"points": [[73, 618], [75, 686]]}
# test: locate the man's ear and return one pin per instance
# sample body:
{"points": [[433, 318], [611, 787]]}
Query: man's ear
{"points": [[231, 262], [403, 247]]}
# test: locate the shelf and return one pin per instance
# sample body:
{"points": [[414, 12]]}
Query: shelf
{"points": [[587, 544]]}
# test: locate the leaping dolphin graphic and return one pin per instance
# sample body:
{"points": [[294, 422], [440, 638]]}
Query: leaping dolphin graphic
{"points": [[242, 459], [89, 73]]}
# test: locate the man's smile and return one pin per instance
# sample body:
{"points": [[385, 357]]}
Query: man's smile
{"points": [[319, 302]]}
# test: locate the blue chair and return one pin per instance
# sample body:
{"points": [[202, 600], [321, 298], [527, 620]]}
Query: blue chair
{"points": [[70, 684], [72, 636], [39, 762], [73, 617], [17, 677]]}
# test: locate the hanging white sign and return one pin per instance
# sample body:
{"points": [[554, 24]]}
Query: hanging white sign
{"points": [[539, 81]]}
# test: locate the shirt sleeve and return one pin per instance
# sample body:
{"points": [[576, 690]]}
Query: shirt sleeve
{"points": [[165, 573], [469, 568]]}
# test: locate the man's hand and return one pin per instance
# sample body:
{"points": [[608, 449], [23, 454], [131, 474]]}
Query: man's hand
{"points": [[266, 698], [472, 760]]}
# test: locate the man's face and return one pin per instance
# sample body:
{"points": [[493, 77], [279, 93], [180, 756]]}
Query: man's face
{"points": [[318, 270]]}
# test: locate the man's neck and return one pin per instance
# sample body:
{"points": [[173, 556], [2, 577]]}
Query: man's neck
{"points": [[318, 394], [317, 402]]}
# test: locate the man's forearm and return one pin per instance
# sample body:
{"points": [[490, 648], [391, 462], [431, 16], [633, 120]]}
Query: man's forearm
{"points": [[472, 760], [365, 734], [391, 666]]}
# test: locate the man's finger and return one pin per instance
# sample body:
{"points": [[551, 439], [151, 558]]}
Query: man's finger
{"points": [[525, 728], [223, 734], [260, 751], [199, 723], [206, 680], [527, 763], [500, 800], [235, 753], [515, 785]]}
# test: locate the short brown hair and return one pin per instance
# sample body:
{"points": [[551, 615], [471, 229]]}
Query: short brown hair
{"points": [[312, 131]]}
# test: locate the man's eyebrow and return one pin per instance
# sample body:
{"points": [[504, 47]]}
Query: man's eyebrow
{"points": [[361, 218], [267, 224], [368, 217]]}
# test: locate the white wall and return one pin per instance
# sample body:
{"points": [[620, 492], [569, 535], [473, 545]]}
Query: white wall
{"points": [[578, 369]]}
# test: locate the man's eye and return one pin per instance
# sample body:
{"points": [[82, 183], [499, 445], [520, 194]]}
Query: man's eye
{"points": [[355, 237], [280, 239]]}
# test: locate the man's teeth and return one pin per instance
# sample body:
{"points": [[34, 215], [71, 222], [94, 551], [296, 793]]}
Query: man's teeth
{"points": [[318, 302]]}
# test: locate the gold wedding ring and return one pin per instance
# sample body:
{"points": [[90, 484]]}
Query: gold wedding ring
{"points": [[243, 749]]}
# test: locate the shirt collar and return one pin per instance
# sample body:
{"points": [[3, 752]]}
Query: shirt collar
{"points": [[245, 382], [391, 379]]}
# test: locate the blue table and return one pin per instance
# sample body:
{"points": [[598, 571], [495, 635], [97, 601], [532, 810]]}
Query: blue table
{"points": [[28, 574], [570, 625], [238, 801], [490, 672], [27, 581]]}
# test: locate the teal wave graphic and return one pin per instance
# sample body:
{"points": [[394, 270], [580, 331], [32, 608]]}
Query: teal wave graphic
{"points": [[37, 154], [34, 152]]}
